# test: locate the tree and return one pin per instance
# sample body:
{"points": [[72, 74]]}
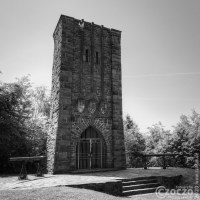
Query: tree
{"points": [[158, 139], [186, 138], [40, 99], [39, 122], [14, 112], [24, 120], [134, 142]]}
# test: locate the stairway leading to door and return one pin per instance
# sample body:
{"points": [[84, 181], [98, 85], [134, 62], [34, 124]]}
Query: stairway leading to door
{"points": [[140, 185]]}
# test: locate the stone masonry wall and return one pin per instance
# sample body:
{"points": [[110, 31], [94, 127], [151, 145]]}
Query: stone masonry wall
{"points": [[55, 98], [117, 129], [86, 91]]}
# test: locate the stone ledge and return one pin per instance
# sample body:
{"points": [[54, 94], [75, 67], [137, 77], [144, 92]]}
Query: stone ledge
{"points": [[169, 182], [115, 187]]}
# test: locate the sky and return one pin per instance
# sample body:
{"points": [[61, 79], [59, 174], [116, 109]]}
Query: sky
{"points": [[160, 50]]}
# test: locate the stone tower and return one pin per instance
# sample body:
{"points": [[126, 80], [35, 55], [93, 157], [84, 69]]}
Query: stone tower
{"points": [[86, 111]]}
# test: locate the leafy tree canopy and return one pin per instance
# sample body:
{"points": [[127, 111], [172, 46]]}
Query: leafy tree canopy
{"points": [[24, 119]]}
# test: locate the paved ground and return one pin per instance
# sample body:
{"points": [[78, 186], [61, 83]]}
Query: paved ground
{"points": [[12, 182], [51, 181]]}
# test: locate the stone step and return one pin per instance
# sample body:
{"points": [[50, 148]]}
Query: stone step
{"points": [[140, 186], [139, 191], [138, 178], [137, 182], [96, 170]]}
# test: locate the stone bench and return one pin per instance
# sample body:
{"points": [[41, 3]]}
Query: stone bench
{"points": [[24, 160]]}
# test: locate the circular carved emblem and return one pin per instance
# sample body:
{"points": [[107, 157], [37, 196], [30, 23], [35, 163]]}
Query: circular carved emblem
{"points": [[92, 107], [81, 105]]}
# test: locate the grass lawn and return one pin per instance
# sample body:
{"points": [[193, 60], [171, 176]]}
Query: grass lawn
{"points": [[67, 193], [57, 193]]}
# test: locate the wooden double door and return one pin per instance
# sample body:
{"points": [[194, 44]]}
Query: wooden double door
{"points": [[91, 150]]}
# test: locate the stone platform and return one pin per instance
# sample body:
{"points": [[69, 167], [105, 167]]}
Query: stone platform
{"points": [[12, 182]]}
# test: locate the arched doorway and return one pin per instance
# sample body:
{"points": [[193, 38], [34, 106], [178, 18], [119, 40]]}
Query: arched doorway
{"points": [[91, 150]]}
